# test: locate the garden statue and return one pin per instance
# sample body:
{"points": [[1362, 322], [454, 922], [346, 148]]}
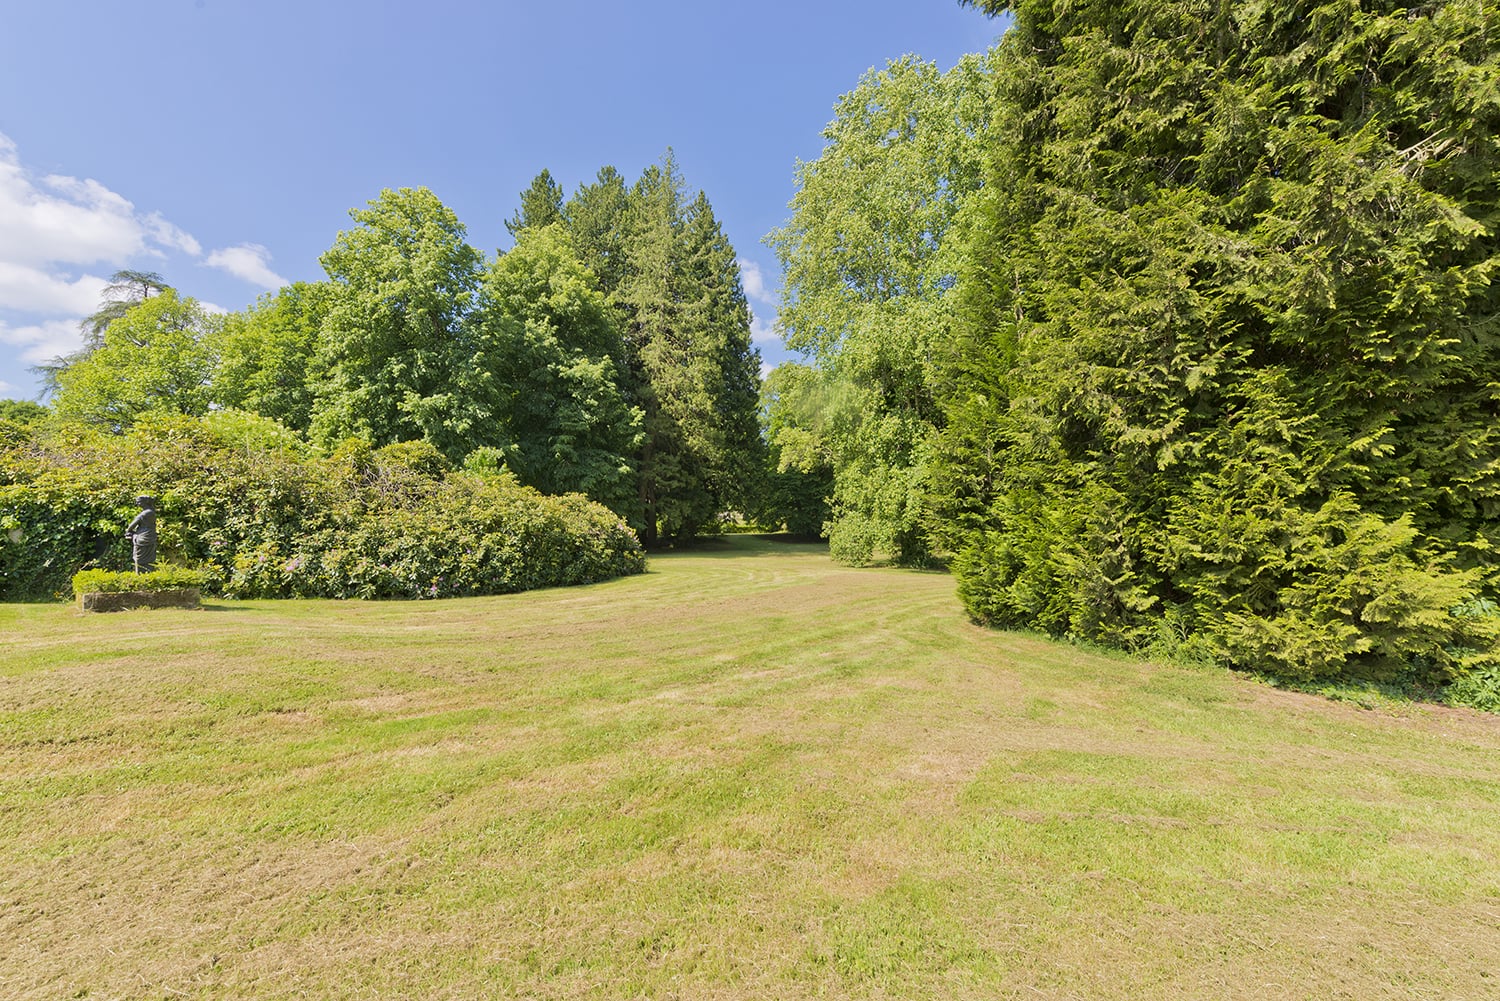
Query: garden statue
{"points": [[142, 535]]}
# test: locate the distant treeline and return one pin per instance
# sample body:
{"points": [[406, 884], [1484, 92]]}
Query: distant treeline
{"points": [[608, 353]]}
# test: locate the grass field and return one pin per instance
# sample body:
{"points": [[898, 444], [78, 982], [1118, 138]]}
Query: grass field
{"points": [[747, 774]]}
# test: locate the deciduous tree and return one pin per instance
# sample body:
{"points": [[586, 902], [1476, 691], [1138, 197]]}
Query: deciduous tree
{"points": [[156, 356], [870, 265], [265, 355], [554, 350], [393, 358]]}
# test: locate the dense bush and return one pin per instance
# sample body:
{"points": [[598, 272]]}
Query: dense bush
{"points": [[264, 517]]}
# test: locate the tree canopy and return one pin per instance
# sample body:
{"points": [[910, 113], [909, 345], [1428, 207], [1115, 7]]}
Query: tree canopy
{"points": [[554, 350], [1170, 325], [607, 353], [153, 357], [870, 267], [390, 356]]}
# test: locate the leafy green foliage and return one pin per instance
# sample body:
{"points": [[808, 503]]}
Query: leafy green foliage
{"points": [[160, 579], [23, 412], [608, 353], [125, 290], [392, 355], [799, 475], [154, 356], [551, 343], [264, 355], [870, 267], [1229, 359], [1478, 689], [268, 519]]}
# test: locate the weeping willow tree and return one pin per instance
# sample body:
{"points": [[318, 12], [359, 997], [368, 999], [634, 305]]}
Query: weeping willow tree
{"points": [[1228, 373]]}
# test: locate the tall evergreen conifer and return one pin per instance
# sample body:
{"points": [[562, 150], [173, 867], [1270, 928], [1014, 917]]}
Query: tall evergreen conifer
{"points": [[541, 205], [672, 279], [1231, 357]]}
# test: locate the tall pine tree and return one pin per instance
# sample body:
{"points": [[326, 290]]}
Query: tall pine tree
{"points": [[541, 205], [673, 282]]}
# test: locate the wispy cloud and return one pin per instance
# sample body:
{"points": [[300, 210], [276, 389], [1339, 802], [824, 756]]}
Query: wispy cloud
{"points": [[755, 283], [249, 262], [39, 342], [31, 290], [762, 331], [58, 220], [764, 302], [56, 232], [169, 235]]}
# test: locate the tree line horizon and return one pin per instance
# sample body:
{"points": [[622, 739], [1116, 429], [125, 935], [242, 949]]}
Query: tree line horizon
{"points": [[606, 353]]}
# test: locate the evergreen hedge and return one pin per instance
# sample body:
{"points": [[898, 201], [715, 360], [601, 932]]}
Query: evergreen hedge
{"points": [[98, 581], [1229, 378]]}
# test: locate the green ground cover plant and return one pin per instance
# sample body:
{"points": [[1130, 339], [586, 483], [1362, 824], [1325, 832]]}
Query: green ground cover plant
{"points": [[747, 773]]}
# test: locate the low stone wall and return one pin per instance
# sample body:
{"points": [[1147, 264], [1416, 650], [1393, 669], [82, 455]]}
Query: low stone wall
{"points": [[119, 601]]}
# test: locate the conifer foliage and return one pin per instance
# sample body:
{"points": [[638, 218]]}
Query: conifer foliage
{"points": [[672, 280], [1229, 368]]}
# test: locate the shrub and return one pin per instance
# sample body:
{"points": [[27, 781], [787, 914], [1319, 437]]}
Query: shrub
{"points": [[1479, 689], [263, 519], [114, 582]]}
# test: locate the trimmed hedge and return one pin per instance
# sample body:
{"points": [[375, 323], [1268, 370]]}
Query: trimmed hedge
{"points": [[115, 582], [265, 517]]}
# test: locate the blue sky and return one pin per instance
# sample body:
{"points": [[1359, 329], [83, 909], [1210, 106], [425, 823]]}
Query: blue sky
{"points": [[222, 142]]}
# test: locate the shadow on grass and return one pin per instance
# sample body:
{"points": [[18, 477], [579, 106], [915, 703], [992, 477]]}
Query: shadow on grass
{"points": [[742, 546]]}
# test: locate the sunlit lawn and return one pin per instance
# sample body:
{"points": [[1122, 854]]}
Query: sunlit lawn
{"points": [[748, 774]]}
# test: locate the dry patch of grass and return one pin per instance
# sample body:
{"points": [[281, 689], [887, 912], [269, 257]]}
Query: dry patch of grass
{"points": [[750, 773]]}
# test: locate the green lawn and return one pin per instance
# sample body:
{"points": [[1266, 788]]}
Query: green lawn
{"points": [[749, 773]]}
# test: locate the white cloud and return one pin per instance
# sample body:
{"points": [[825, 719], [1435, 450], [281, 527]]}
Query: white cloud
{"points": [[755, 284], [170, 236], [43, 341], [762, 331], [65, 220], [250, 262], [31, 290], [55, 232]]}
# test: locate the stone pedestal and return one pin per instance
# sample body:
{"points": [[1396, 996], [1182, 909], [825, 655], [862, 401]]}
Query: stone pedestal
{"points": [[119, 601]]}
